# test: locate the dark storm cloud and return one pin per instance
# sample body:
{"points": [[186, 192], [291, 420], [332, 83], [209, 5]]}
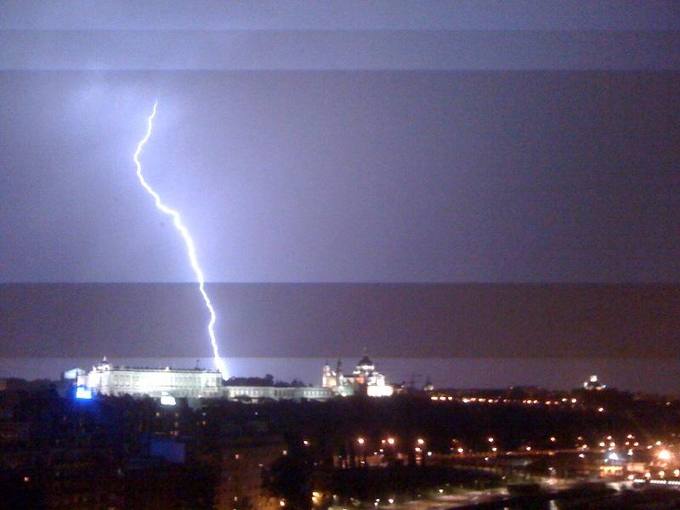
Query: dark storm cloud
{"points": [[480, 34], [341, 15], [403, 50], [328, 320], [468, 141], [361, 176], [564, 170]]}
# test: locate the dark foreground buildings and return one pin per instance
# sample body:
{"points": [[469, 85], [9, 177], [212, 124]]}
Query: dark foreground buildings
{"points": [[59, 452]]}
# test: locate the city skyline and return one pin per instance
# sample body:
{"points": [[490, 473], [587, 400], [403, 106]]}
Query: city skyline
{"points": [[392, 255]]}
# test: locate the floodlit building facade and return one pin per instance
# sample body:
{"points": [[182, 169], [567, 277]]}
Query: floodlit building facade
{"points": [[364, 379], [106, 379], [594, 384], [171, 383]]}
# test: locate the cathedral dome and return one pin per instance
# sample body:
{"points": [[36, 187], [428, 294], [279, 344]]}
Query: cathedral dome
{"points": [[365, 362]]}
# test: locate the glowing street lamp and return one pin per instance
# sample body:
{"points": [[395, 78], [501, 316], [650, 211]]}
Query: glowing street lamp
{"points": [[664, 455]]}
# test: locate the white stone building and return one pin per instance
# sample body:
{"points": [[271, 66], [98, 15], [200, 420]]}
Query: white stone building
{"points": [[364, 379], [106, 379]]}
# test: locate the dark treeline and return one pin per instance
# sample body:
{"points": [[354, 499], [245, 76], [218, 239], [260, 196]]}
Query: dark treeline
{"points": [[267, 380]]}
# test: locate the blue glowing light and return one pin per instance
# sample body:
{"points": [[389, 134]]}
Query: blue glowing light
{"points": [[83, 393]]}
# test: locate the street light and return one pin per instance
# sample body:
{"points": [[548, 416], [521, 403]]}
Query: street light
{"points": [[664, 455]]}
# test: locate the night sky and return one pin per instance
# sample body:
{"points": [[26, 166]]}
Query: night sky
{"points": [[428, 144]]}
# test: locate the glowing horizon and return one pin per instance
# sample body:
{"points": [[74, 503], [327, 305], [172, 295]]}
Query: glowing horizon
{"points": [[188, 241]]}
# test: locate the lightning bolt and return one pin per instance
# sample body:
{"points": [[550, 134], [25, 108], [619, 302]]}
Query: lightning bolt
{"points": [[186, 236]]}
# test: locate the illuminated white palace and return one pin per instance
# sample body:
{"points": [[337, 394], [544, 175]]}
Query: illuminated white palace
{"points": [[171, 383], [106, 379], [364, 379]]}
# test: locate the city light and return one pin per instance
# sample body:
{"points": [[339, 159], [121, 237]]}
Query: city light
{"points": [[168, 400], [664, 455], [83, 393]]}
